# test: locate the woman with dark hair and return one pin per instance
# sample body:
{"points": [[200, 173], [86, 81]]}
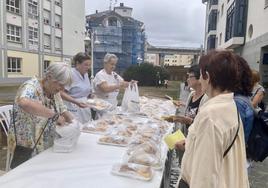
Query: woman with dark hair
{"points": [[195, 98], [242, 98], [79, 91], [242, 95], [215, 146]]}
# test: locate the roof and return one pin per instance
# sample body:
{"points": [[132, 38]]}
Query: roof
{"points": [[102, 15], [124, 7]]}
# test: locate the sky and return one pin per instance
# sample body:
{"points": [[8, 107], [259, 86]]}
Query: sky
{"points": [[174, 23]]}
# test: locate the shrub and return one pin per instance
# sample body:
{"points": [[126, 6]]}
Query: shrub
{"points": [[146, 74]]}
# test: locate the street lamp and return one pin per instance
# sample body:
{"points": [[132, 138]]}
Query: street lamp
{"points": [[139, 59], [90, 37]]}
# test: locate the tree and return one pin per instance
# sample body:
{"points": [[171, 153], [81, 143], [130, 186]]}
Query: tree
{"points": [[146, 74]]}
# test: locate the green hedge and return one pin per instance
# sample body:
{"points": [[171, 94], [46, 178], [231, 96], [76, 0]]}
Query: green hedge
{"points": [[146, 74]]}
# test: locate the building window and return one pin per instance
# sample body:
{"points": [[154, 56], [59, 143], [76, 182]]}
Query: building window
{"points": [[47, 41], [58, 2], [212, 22], [250, 31], [266, 4], [33, 35], [58, 44], [213, 2], [211, 42], [13, 33], [46, 17], [13, 6], [32, 9], [230, 22], [46, 64], [14, 64], [112, 22], [58, 21]]}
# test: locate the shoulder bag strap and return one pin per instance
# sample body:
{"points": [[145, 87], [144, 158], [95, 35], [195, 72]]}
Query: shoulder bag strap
{"points": [[228, 149], [50, 120], [13, 122]]}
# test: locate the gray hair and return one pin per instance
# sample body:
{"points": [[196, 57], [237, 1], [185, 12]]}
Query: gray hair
{"points": [[61, 72], [108, 57]]}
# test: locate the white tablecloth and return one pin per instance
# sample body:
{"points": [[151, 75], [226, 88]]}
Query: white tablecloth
{"points": [[88, 166]]}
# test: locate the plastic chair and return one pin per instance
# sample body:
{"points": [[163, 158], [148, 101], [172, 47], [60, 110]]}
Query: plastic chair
{"points": [[5, 117]]}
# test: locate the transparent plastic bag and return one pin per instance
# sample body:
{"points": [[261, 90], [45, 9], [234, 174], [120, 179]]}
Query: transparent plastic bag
{"points": [[99, 104], [134, 171], [67, 137], [131, 102], [143, 158], [114, 140]]}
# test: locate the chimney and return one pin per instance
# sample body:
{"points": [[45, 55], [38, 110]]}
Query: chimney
{"points": [[96, 11], [121, 4]]}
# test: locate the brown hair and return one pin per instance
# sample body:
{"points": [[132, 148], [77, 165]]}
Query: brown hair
{"points": [[255, 77], [80, 58], [222, 68], [245, 77]]}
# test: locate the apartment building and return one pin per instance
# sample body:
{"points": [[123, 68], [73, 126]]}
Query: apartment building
{"points": [[241, 26], [34, 33], [178, 60], [117, 32]]}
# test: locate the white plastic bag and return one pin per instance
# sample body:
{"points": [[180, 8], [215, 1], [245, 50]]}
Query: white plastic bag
{"points": [[68, 137], [131, 102]]}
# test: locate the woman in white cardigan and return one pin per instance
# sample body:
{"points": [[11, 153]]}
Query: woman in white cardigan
{"points": [[215, 154]]}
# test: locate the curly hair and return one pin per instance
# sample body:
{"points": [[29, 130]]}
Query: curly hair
{"points": [[245, 77]]}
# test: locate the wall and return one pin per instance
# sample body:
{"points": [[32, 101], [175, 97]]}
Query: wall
{"points": [[52, 58], [73, 27], [152, 58], [29, 64], [258, 17], [221, 24], [124, 12], [178, 60]]}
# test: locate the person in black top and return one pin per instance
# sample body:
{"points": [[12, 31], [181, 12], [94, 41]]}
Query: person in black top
{"points": [[193, 101]]}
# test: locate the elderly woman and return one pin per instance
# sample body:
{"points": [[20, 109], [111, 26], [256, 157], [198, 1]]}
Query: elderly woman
{"points": [[37, 102], [195, 99], [79, 91], [215, 146], [107, 83]]}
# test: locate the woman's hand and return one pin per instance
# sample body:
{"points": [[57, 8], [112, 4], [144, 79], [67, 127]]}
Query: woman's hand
{"points": [[67, 116], [178, 103], [82, 104], [180, 145], [60, 121], [124, 84], [183, 119]]}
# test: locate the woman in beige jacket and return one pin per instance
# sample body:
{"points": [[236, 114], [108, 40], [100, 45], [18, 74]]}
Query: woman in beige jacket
{"points": [[217, 127]]}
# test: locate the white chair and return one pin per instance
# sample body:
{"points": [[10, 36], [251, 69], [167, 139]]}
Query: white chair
{"points": [[5, 117]]}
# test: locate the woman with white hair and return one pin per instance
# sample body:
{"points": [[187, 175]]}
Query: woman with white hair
{"points": [[76, 95], [38, 105], [107, 82]]}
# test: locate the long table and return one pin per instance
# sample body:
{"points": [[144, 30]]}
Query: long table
{"points": [[88, 166]]}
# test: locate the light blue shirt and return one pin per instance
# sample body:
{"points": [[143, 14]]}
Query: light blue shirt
{"points": [[80, 86]]}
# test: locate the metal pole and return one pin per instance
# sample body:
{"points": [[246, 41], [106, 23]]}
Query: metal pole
{"points": [[92, 56]]}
